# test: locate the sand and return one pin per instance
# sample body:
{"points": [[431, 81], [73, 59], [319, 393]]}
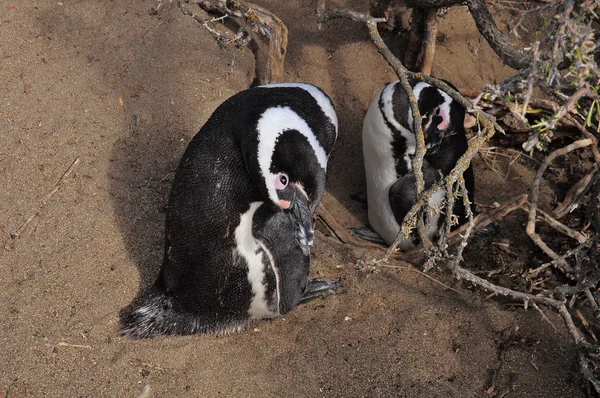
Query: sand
{"points": [[122, 90]]}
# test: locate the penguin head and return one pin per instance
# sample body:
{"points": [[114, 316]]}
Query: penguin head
{"points": [[442, 117], [296, 172], [292, 163], [295, 182]]}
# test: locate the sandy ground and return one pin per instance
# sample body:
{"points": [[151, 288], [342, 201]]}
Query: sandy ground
{"points": [[74, 78]]}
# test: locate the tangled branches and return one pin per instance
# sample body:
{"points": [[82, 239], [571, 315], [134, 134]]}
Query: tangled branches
{"points": [[563, 66], [257, 27]]}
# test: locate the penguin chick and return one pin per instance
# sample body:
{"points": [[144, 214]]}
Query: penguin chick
{"points": [[389, 143], [239, 221]]}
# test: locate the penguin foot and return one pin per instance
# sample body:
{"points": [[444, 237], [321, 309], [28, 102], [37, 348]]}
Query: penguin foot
{"points": [[360, 197], [319, 287], [367, 234]]}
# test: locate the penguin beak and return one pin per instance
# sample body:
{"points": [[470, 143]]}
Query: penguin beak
{"points": [[434, 143], [435, 136], [302, 217]]}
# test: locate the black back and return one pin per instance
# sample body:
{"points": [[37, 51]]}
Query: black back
{"points": [[215, 182]]}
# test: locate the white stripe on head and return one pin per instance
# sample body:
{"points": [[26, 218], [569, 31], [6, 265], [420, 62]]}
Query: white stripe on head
{"points": [[319, 96], [387, 95], [248, 247], [444, 106], [272, 123], [445, 109], [417, 92]]}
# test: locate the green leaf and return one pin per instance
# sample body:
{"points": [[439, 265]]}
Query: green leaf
{"points": [[535, 111], [589, 116]]}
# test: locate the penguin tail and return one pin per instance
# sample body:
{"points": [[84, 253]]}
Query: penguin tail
{"points": [[153, 314], [150, 315]]}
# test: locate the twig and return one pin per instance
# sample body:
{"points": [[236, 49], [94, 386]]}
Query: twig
{"points": [[509, 54], [535, 191], [586, 325], [534, 272], [534, 305], [63, 344], [268, 37], [340, 232], [467, 203], [534, 61], [413, 269], [591, 299], [15, 235], [575, 193], [323, 215], [414, 116], [551, 221], [486, 218], [462, 273]]}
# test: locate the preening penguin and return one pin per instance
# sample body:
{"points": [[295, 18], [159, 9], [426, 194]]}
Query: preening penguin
{"points": [[239, 219], [389, 144]]}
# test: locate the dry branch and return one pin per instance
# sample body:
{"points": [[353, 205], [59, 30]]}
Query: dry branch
{"points": [[575, 193], [403, 73], [535, 191], [488, 126], [268, 34], [534, 272], [429, 39], [17, 234], [509, 54]]}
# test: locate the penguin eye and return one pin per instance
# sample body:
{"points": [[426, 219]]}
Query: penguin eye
{"points": [[281, 181]]}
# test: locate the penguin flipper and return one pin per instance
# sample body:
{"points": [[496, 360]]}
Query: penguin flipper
{"points": [[366, 233], [319, 287]]}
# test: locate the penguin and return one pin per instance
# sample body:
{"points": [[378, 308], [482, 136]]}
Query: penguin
{"points": [[238, 227], [389, 144]]}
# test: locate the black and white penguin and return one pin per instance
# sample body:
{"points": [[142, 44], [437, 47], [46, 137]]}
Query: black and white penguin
{"points": [[389, 144], [239, 219]]}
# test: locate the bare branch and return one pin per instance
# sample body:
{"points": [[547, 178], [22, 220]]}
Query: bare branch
{"points": [[535, 191], [575, 193], [534, 272], [429, 39], [268, 35], [509, 54]]}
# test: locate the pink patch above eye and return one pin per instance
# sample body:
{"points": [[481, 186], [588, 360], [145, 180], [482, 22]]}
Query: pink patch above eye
{"points": [[444, 123]]}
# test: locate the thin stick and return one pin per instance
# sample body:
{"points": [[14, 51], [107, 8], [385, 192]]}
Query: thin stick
{"points": [[429, 39], [591, 299], [486, 218], [535, 191], [574, 193], [544, 316], [63, 344], [534, 272], [411, 268], [15, 235], [586, 325], [551, 221]]}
